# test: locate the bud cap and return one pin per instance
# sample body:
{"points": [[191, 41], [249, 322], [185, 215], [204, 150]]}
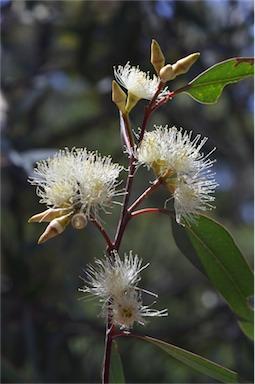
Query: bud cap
{"points": [[119, 97], [55, 227], [157, 57], [183, 65]]}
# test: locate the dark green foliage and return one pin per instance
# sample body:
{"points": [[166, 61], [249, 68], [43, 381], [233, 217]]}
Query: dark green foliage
{"points": [[210, 247]]}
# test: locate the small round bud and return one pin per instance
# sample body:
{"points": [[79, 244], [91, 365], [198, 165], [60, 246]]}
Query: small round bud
{"points": [[79, 221], [166, 73]]}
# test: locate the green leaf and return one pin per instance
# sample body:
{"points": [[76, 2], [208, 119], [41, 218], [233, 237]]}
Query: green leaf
{"points": [[210, 247], [197, 362], [248, 328], [116, 370], [207, 87]]}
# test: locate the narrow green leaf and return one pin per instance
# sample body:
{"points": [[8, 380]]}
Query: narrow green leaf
{"points": [[208, 86], [116, 370], [248, 328], [210, 247], [197, 362]]}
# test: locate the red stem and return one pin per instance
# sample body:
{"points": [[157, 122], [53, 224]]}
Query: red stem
{"points": [[152, 210], [148, 111], [126, 215], [127, 212], [103, 231], [166, 98], [107, 352], [145, 194]]}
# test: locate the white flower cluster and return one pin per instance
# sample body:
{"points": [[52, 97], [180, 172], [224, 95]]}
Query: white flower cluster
{"points": [[139, 83], [115, 282], [77, 179], [185, 171], [74, 184]]}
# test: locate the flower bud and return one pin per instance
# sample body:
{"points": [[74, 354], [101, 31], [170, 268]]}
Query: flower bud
{"points": [[131, 101], [166, 73], [55, 227], [79, 221], [48, 215], [183, 65], [119, 97], [157, 57]]}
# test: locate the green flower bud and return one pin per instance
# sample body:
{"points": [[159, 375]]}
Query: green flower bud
{"points": [[166, 73], [119, 97], [183, 65], [157, 57]]}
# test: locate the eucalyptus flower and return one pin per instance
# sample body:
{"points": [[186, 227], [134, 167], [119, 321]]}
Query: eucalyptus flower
{"points": [[74, 184], [193, 196], [113, 276], [183, 169], [139, 84], [115, 283], [128, 309]]}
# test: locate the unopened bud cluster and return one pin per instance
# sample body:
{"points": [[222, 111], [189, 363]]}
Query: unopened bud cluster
{"points": [[169, 72]]}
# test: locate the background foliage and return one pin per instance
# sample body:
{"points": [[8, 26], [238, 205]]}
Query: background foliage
{"points": [[57, 59]]}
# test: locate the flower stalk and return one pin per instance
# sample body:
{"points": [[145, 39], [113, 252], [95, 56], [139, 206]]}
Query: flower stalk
{"points": [[109, 332], [125, 216]]}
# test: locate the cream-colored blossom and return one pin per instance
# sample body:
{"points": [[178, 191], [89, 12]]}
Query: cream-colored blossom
{"points": [[115, 283], [193, 196], [138, 83], [184, 170], [75, 181], [171, 150], [128, 309], [113, 276]]}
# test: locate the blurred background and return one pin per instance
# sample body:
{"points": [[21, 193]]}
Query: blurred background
{"points": [[57, 67]]}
